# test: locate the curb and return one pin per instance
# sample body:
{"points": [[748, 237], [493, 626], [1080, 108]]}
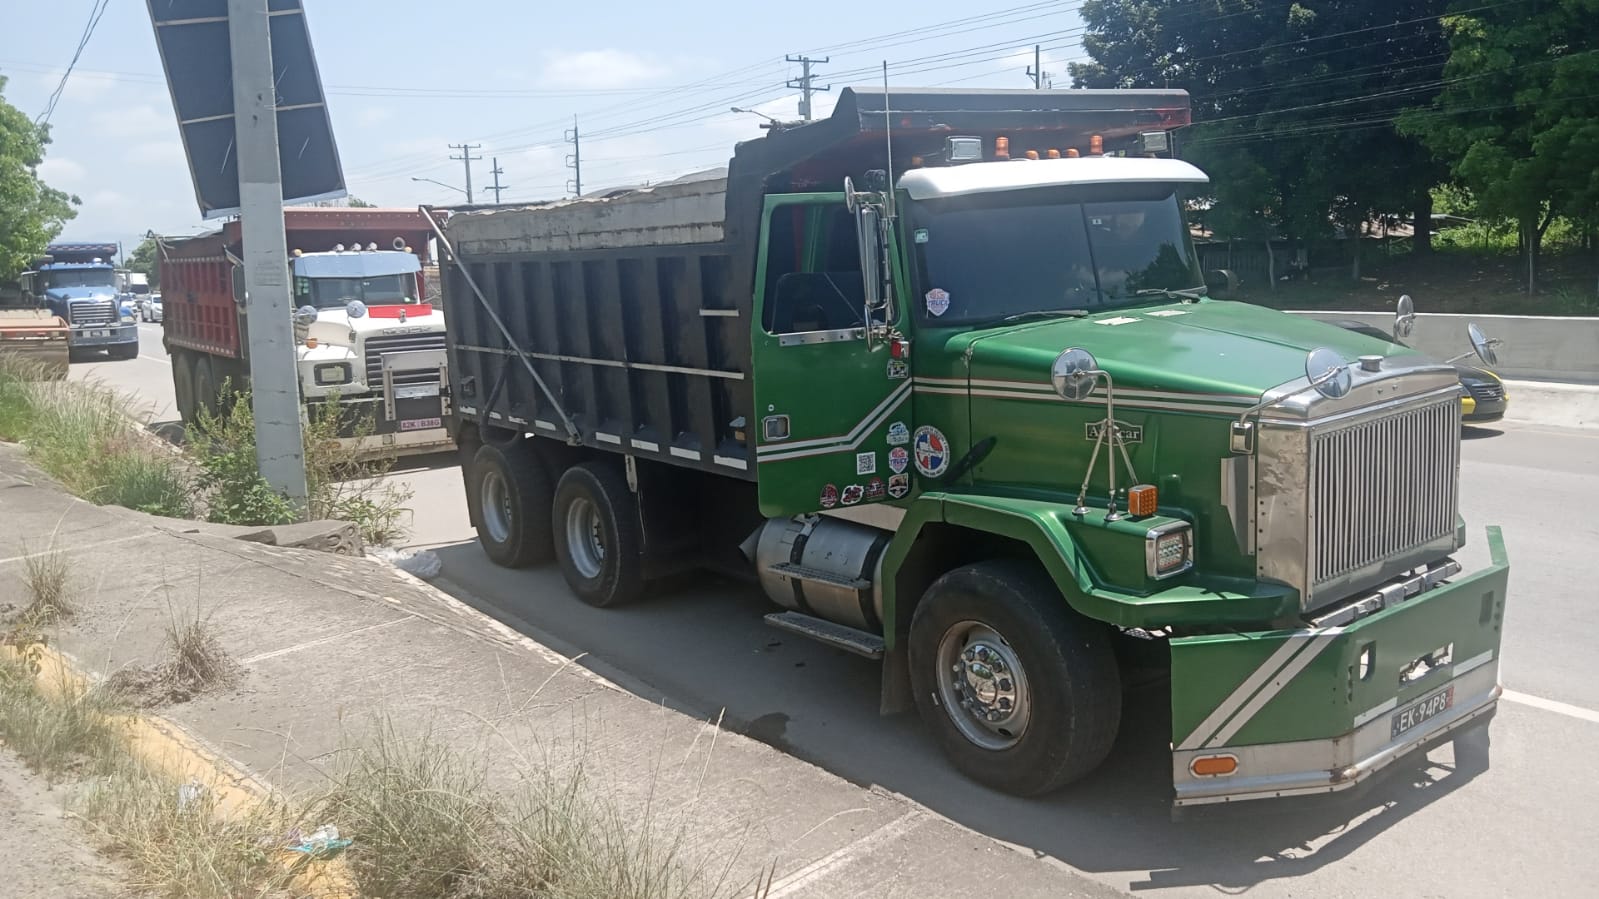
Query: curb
{"points": [[169, 748]]}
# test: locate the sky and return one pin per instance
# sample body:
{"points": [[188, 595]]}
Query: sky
{"points": [[650, 86]]}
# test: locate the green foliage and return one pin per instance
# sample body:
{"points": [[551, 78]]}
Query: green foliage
{"points": [[1518, 117], [145, 259], [1293, 104], [31, 213], [223, 446]]}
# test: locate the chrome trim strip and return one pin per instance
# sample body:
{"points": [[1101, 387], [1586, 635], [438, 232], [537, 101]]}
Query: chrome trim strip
{"points": [[808, 338], [1473, 663]]}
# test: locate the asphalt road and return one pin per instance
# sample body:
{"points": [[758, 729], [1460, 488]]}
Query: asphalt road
{"points": [[1525, 827]]}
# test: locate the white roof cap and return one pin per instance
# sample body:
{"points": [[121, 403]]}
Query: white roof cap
{"points": [[1021, 174]]}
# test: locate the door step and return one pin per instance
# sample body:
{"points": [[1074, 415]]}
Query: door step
{"points": [[818, 576], [851, 640]]}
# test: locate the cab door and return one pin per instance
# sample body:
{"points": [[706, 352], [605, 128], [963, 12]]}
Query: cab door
{"points": [[832, 408]]}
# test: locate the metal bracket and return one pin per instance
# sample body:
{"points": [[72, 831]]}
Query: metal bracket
{"points": [[409, 360], [630, 465], [572, 434]]}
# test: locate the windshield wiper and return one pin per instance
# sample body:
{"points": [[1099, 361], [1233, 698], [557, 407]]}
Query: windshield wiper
{"points": [[1191, 294], [1045, 313]]}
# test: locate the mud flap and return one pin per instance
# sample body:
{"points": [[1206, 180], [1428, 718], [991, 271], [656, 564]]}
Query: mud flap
{"points": [[1319, 708]]}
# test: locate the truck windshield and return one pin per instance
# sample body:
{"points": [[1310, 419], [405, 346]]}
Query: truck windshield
{"points": [[988, 257], [380, 290], [84, 277]]}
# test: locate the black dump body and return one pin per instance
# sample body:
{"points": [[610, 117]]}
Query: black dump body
{"points": [[634, 305]]}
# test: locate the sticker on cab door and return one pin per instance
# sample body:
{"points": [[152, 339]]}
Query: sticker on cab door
{"points": [[899, 485], [866, 463], [898, 434], [852, 494], [874, 489], [829, 497], [898, 459], [932, 451], [937, 301], [898, 369]]}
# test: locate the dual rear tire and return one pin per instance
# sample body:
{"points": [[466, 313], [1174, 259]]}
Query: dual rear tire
{"points": [[587, 520]]}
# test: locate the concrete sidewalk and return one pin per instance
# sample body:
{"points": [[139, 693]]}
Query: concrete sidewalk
{"points": [[331, 643]]}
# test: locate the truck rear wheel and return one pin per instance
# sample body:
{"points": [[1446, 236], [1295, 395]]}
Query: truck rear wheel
{"points": [[510, 504], [1021, 692], [205, 387], [183, 385], [598, 538]]}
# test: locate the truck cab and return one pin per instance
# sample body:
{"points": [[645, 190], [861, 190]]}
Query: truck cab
{"points": [[79, 284], [366, 333]]}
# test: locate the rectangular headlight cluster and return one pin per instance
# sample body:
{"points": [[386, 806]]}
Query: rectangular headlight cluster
{"points": [[1169, 550], [330, 373]]}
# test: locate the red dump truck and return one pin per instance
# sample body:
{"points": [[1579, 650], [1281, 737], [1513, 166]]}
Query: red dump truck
{"points": [[363, 327]]}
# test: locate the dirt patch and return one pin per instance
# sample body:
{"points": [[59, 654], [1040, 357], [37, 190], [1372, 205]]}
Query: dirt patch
{"points": [[167, 683], [46, 857]]}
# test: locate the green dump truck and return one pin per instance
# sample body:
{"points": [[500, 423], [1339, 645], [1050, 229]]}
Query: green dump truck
{"points": [[942, 374]]}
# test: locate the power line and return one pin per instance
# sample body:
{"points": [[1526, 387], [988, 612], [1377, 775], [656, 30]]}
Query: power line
{"points": [[466, 158], [95, 13]]}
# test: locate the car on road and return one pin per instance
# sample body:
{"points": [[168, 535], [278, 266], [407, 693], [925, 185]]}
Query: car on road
{"points": [[150, 307], [1485, 399]]}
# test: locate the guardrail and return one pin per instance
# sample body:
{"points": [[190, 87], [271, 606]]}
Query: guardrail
{"points": [[1544, 348]]}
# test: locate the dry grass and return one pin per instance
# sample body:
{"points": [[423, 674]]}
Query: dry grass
{"points": [[193, 662], [70, 731], [52, 596], [179, 843], [427, 825]]}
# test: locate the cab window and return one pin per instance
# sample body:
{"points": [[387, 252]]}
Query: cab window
{"points": [[813, 273]]}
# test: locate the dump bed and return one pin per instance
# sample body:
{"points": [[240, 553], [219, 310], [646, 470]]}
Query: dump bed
{"points": [[624, 305], [633, 306]]}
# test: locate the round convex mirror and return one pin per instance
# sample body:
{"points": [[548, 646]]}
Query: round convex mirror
{"points": [[1404, 317], [1328, 372], [1074, 374], [305, 315]]}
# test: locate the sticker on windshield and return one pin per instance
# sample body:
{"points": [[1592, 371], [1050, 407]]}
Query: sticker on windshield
{"points": [[937, 301], [921, 235], [1165, 313]]}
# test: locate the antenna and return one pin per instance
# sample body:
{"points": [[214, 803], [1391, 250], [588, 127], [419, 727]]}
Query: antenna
{"points": [[888, 133]]}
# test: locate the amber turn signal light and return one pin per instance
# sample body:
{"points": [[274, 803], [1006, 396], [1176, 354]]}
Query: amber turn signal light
{"points": [[1213, 765], [1141, 500]]}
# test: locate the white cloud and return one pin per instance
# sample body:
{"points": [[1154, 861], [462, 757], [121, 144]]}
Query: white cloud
{"points": [[373, 115], [142, 120], [599, 69], [62, 173], [158, 152]]}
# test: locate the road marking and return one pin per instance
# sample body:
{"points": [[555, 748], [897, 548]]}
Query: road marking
{"points": [[321, 640], [67, 549], [1552, 705], [843, 855], [156, 359]]}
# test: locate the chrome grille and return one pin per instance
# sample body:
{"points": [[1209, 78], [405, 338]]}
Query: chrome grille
{"points": [[1486, 391], [1381, 489], [401, 343], [92, 312]]}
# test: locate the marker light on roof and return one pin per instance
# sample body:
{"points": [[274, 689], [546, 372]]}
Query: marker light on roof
{"points": [[1001, 148], [1032, 154], [1071, 153], [1052, 153], [1096, 146], [338, 248]]}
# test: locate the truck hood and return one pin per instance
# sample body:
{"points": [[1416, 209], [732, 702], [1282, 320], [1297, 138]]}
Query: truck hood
{"points": [[62, 294], [334, 327], [1207, 350]]}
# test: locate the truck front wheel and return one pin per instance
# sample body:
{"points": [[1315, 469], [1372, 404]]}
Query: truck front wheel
{"points": [[1022, 693], [511, 504], [183, 385], [598, 539]]}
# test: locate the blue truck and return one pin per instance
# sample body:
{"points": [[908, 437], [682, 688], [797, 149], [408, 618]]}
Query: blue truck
{"points": [[78, 282]]}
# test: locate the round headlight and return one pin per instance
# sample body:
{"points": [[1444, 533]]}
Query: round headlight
{"points": [[355, 309]]}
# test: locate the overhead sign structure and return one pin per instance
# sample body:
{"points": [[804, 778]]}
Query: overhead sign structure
{"points": [[196, 54]]}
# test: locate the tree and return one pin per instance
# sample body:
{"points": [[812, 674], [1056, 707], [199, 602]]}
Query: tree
{"points": [[145, 259], [1293, 104], [1518, 117], [31, 212]]}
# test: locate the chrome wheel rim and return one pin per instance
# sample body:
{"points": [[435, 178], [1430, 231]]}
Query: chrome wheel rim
{"points": [[495, 497], [585, 540], [982, 686]]}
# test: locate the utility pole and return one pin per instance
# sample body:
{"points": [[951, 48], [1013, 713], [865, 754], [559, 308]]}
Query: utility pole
{"points": [[1041, 79], [274, 381], [467, 157], [574, 161], [497, 172], [804, 82]]}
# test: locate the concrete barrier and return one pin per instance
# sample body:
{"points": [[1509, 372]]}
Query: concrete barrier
{"points": [[1541, 348]]}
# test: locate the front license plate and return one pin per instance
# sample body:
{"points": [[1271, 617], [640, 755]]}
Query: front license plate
{"points": [[1418, 712], [99, 333], [421, 424]]}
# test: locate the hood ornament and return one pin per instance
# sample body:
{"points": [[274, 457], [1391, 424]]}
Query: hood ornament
{"points": [[1075, 375], [402, 316]]}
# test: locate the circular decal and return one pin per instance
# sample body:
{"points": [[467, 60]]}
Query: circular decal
{"points": [[932, 451], [829, 497]]}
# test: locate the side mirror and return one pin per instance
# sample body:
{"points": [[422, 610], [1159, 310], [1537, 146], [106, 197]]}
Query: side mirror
{"points": [[305, 316], [868, 222], [1328, 373], [1483, 344], [1074, 374], [1221, 282], [238, 285], [1404, 317]]}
